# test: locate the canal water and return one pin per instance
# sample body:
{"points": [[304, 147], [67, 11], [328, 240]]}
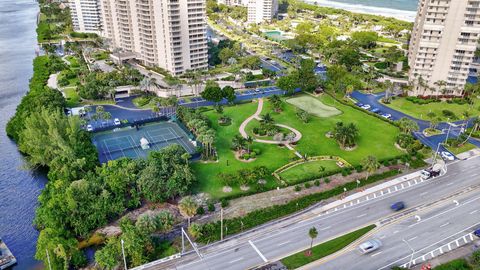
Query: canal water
{"points": [[19, 187]]}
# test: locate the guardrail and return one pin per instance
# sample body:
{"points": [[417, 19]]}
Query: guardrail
{"points": [[157, 262]]}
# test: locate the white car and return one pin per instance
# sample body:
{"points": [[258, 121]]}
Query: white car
{"points": [[366, 107], [369, 246], [117, 122], [89, 128], [387, 115], [447, 156]]}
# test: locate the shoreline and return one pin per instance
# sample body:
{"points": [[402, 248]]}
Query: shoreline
{"points": [[404, 15]]}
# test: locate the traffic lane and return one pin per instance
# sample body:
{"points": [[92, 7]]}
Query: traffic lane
{"points": [[354, 217], [241, 257], [441, 225]]}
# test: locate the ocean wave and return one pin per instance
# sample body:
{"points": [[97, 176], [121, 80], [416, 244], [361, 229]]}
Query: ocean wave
{"points": [[404, 15]]}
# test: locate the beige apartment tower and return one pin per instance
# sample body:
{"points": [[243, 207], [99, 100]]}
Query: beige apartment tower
{"points": [[442, 47], [170, 34], [86, 15], [260, 11]]}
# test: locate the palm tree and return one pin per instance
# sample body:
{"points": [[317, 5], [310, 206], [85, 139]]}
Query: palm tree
{"points": [[276, 102], [267, 119], [312, 233], [348, 90], [164, 221], [370, 164], [441, 85], [195, 230], [188, 207], [249, 141], [238, 142], [407, 125]]}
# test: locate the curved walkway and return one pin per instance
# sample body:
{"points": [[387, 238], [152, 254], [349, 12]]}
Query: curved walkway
{"points": [[256, 115]]}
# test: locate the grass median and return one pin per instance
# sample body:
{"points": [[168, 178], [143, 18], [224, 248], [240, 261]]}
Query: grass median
{"points": [[324, 249]]}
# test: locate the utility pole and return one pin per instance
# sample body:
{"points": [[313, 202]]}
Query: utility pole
{"points": [[124, 259], [448, 132], [221, 224], [435, 156], [358, 183], [48, 259]]}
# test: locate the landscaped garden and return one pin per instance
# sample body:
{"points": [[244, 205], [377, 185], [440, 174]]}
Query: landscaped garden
{"points": [[314, 142], [443, 110]]}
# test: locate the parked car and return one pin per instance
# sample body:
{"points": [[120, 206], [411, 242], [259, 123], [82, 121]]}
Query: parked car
{"points": [[117, 122], [447, 156], [89, 128], [430, 172], [366, 107], [397, 206], [375, 110], [477, 232], [369, 246], [387, 115], [359, 104]]}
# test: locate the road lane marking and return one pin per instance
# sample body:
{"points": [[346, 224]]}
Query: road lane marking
{"points": [[284, 243], [473, 212], [239, 259], [378, 253], [395, 232], [362, 215], [258, 251], [326, 228], [423, 193], [413, 238], [449, 184]]}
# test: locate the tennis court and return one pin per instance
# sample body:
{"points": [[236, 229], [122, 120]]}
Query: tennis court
{"points": [[125, 142]]}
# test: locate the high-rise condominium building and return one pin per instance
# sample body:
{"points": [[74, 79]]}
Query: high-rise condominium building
{"points": [[170, 34], [233, 2], [443, 44], [262, 10], [86, 15]]}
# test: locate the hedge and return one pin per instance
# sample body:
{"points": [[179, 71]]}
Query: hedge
{"points": [[211, 231]]}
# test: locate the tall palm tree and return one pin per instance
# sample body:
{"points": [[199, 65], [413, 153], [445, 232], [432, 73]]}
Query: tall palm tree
{"points": [[188, 207], [407, 125], [370, 164], [267, 119], [312, 233], [249, 141]]}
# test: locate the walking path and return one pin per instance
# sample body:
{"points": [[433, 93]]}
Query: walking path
{"points": [[256, 116]]}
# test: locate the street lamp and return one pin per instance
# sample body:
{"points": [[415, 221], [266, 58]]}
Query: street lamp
{"points": [[413, 252], [124, 259], [358, 183]]}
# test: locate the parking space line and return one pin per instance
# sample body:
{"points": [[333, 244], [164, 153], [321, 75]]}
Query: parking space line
{"points": [[239, 259]]}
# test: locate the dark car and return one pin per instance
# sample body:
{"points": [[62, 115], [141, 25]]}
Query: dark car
{"points": [[397, 206], [375, 110], [477, 232]]}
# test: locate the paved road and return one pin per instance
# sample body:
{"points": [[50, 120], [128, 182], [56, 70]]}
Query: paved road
{"points": [[281, 239], [440, 229]]}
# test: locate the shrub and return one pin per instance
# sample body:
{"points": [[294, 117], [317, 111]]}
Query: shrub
{"points": [[326, 180], [316, 183], [200, 210], [359, 168], [297, 188], [449, 114], [246, 156], [253, 155], [307, 185], [257, 151], [224, 203], [211, 207]]}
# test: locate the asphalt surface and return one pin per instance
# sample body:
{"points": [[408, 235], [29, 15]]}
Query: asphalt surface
{"points": [[437, 227], [290, 236]]}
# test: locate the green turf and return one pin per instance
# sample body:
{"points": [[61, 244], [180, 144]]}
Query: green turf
{"points": [[458, 264], [464, 148], [72, 98], [322, 250], [421, 111], [313, 106], [376, 138], [308, 170]]}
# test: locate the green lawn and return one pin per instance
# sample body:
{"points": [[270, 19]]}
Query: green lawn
{"points": [[421, 111], [322, 250], [73, 62], [376, 138], [72, 98], [313, 106], [458, 264], [308, 170], [464, 148]]}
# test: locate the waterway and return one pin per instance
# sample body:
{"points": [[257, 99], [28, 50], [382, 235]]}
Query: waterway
{"points": [[19, 187]]}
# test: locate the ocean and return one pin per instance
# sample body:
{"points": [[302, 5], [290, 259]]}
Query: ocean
{"points": [[400, 9]]}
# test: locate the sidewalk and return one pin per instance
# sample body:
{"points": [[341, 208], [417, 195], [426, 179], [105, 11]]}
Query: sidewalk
{"points": [[461, 252]]}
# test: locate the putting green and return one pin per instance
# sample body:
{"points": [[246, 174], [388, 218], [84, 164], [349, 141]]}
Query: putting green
{"points": [[313, 106]]}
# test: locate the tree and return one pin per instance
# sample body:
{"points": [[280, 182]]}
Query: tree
{"points": [[225, 54], [370, 164], [267, 119], [110, 255], [345, 135], [251, 62], [146, 224], [249, 140], [289, 83], [164, 221], [365, 39], [195, 230], [308, 81], [165, 175], [188, 207], [229, 93], [212, 92], [407, 125], [312, 233], [276, 102], [238, 142]]}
